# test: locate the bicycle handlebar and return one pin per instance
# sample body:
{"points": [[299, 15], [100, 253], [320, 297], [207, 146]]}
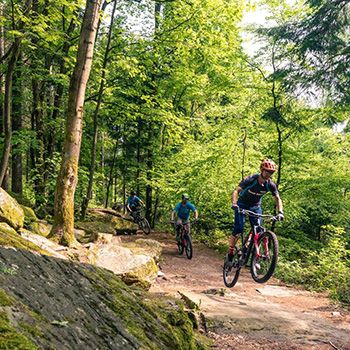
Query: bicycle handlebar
{"points": [[251, 213]]}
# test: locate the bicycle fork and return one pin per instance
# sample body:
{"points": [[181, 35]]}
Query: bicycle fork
{"points": [[266, 246]]}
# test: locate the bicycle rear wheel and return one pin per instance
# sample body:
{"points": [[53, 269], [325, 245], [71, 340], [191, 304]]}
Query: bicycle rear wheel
{"points": [[263, 266], [231, 270], [188, 248], [145, 226]]}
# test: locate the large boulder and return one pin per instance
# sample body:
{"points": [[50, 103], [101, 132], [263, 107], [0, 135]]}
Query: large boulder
{"points": [[49, 303], [140, 268], [10, 211]]}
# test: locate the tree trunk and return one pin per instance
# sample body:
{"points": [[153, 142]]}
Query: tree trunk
{"points": [[7, 108], [149, 165], [17, 176], [97, 109], [2, 51], [63, 226], [138, 154], [15, 50], [111, 174]]}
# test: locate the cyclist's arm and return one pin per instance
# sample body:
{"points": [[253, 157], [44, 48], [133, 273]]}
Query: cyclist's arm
{"points": [[279, 204], [235, 195], [173, 213], [195, 214]]}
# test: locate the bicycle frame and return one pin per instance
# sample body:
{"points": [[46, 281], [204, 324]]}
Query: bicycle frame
{"points": [[254, 234], [184, 229]]}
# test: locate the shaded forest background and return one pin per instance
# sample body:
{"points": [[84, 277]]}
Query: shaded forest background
{"points": [[175, 104]]}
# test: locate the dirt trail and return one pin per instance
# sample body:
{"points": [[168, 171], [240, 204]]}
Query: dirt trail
{"points": [[251, 315]]}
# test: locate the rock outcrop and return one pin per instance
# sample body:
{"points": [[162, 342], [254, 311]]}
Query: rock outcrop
{"points": [[10, 211], [49, 303]]}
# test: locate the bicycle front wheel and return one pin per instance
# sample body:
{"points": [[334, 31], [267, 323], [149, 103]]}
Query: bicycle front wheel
{"points": [[263, 265], [145, 226], [189, 248]]}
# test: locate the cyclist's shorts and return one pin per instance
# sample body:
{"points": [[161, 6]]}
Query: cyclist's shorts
{"points": [[238, 226]]}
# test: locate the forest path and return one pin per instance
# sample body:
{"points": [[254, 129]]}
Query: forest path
{"points": [[250, 315]]}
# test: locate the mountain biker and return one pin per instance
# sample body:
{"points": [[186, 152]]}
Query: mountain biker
{"points": [[248, 196], [134, 203], [182, 211]]}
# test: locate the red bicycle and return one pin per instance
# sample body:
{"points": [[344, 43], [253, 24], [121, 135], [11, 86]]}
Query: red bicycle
{"points": [[261, 246]]}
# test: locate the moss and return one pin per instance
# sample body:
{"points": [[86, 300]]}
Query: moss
{"points": [[156, 323], [10, 338], [10, 211], [10, 238], [40, 228], [142, 276], [96, 226], [5, 300], [29, 215]]}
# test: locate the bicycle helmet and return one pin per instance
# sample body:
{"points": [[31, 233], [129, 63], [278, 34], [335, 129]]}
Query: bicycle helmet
{"points": [[268, 164], [185, 196], [132, 193]]}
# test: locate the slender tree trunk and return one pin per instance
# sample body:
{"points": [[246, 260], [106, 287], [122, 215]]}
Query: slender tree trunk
{"points": [[38, 120], [7, 109], [2, 51], [97, 109], [244, 144], [149, 165], [63, 227], [17, 176], [15, 50], [279, 167], [138, 154], [111, 174]]}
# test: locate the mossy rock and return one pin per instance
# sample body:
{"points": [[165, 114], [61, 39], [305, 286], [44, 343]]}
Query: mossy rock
{"points": [[41, 228], [96, 308], [17, 335], [10, 211], [10, 238], [143, 276], [149, 247], [94, 227], [29, 215]]}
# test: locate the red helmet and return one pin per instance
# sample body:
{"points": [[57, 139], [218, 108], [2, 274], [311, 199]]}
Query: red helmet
{"points": [[268, 164]]}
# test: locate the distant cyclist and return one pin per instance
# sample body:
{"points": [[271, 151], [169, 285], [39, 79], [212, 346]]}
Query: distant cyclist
{"points": [[182, 211], [134, 203], [248, 196]]}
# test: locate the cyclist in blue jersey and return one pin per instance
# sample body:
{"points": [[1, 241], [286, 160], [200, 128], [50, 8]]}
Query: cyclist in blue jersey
{"points": [[248, 196], [182, 210], [134, 203]]}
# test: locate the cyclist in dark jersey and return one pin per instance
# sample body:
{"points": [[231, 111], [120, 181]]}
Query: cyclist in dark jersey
{"points": [[248, 195]]}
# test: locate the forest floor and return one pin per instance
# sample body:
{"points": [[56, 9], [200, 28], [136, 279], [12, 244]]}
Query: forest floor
{"points": [[250, 315]]}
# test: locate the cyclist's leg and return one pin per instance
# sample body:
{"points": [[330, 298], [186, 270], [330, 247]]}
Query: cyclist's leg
{"points": [[178, 224], [236, 232], [253, 220], [187, 226]]}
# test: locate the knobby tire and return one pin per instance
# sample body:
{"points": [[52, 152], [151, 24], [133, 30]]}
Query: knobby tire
{"points": [[267, 264]]}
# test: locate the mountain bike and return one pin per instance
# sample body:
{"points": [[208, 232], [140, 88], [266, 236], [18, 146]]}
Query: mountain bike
{"points": [[184, 240], [260, 245], [141, 221]]}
